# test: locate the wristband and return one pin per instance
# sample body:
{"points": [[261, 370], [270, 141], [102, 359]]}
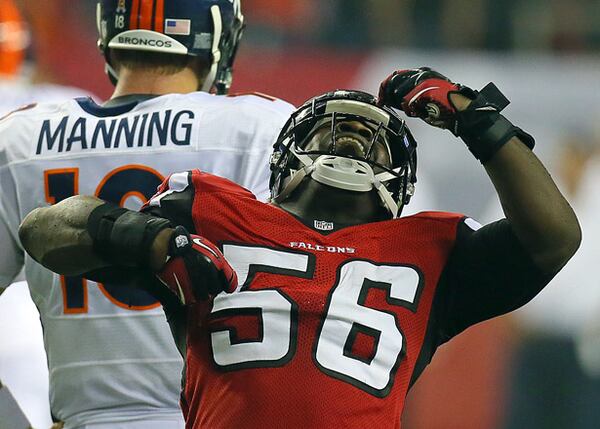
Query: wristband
{"points": [[123, 237], [483, 129]]}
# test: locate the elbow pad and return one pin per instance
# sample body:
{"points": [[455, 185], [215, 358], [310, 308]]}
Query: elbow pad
{"points": [[124, 237]]}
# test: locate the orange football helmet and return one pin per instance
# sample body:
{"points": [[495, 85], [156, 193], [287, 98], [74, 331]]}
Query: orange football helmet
{"points": [[14, 38]]}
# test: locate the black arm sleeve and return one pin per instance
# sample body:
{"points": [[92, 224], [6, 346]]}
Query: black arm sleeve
{"points": [[176, 207], [488, 274]]}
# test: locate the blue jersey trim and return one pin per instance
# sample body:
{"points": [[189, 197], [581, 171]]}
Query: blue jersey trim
{"points": [[114, 107]]}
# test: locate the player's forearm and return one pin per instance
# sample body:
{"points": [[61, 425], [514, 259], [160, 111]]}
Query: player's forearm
{"points": [[540, 216], [160, 250], [58, 238]]}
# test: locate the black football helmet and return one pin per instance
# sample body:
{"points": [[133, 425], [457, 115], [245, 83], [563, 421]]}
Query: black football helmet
{"points": [[294, 158], [201, 28]]}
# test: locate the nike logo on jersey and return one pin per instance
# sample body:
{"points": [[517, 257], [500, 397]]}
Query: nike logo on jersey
{"points": [[321, 248], [73, 134]]}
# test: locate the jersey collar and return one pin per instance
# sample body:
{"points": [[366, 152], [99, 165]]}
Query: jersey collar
{"points": [[113, 107]]}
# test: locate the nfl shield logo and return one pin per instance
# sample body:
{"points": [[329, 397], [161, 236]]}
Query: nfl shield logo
{"points": [[323, 225]]}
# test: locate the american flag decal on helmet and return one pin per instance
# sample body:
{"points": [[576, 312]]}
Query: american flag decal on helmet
{"points": [[180, 27]]}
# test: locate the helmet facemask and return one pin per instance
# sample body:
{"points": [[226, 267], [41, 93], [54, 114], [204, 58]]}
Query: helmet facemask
{"points": [[374, 152]]}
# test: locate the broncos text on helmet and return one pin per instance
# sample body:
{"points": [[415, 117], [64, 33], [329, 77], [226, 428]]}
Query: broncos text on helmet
{"points": [[209, 29]]}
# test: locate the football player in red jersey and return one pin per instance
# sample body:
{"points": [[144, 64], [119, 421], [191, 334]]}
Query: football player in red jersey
{"points": [[324, 306]]}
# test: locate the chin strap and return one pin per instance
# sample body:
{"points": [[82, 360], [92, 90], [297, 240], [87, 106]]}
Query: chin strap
{"points": [[385, 195], [112, 74], [293, 184], [296, 177], [215, 52]]}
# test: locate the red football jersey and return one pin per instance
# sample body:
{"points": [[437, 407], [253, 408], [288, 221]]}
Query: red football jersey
{"points": [[325, 328]]}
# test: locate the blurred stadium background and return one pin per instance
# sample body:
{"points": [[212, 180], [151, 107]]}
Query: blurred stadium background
{"points": [[543, 54]]}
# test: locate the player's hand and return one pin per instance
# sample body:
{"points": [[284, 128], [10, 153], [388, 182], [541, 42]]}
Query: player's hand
{"points": [[424, 93], [196, 269]]}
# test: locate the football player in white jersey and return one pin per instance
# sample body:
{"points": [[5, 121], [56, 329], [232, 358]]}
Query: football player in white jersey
{"points": [[111, 357]]}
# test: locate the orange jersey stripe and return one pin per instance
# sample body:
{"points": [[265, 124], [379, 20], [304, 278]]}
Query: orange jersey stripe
{"points": [[159, 19], [146, 14], [135, 14]]}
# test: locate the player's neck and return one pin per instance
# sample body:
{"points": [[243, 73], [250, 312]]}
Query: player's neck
{"points": [[314, 201], [149, 82]]}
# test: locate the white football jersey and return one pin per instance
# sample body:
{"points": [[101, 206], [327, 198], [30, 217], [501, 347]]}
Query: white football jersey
{"points": [[111, 355]]}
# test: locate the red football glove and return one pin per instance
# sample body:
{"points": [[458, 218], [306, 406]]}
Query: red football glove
{"points": [[423, 93], [196, 269]]}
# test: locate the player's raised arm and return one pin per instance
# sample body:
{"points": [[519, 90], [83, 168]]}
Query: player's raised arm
{"points": [[540, 217], [84, 235]]}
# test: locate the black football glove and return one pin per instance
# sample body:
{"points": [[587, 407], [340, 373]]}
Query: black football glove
{"points": [[196, 269], [425, 93]]}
